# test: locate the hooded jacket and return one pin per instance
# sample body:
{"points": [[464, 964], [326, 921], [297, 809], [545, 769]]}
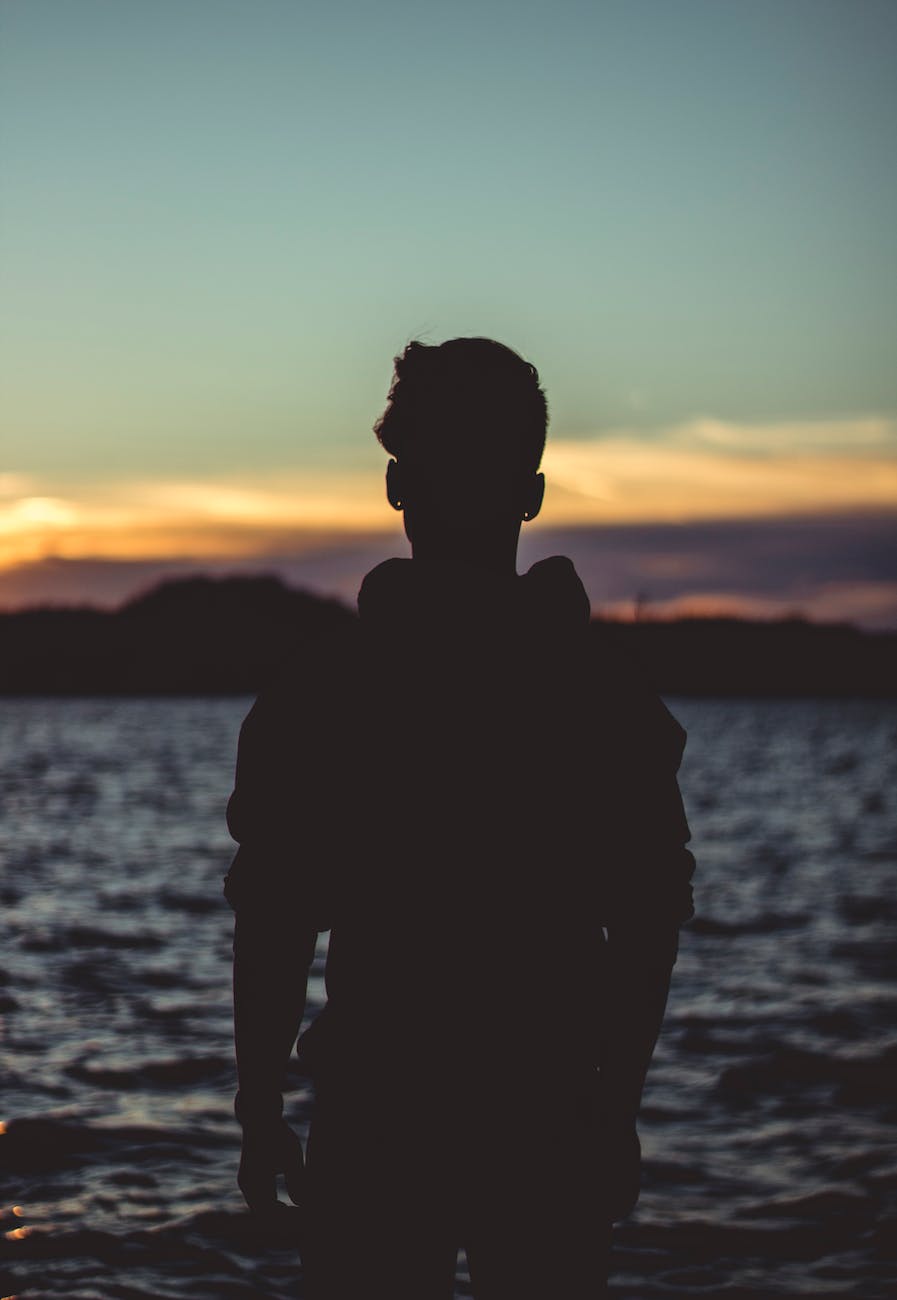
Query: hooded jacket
{"points": [[470, 792]]}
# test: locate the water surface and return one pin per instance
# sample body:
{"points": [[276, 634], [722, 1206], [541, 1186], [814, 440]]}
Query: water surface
{"points": [[769, 1121]]}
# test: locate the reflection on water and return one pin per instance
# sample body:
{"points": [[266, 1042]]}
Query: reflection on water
{"points": [[769, 1117]]}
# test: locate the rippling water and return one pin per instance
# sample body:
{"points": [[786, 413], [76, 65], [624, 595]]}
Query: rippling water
{"points": [[769, 1121]]}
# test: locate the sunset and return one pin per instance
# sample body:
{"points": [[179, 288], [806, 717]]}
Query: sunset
{"points": [[222, 221], [137, 530], [705, 470], [440, 860]]}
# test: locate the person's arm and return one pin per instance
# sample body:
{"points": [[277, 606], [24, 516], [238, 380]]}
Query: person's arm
{"points": [[653, 899], [274, 944], [639, 963], [272, 955]]}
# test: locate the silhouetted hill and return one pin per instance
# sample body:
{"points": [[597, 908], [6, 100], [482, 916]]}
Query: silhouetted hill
{"points": [[728, 656], [228, 636], [191, 636]]}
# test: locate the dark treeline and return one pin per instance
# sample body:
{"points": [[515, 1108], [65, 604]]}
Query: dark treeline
{"points": [[228, 636]]}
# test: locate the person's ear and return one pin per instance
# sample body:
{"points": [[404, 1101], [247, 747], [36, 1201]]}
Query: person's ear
{"points": [[535, 491], [394, 493]]}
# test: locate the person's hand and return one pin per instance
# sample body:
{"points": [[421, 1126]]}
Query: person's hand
{"points": [[269, 1150]]}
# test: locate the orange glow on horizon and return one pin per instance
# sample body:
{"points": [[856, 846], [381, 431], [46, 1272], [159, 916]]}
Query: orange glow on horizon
{"points": [[705, 471], [835, 602], [618, 481], [164, 519]]}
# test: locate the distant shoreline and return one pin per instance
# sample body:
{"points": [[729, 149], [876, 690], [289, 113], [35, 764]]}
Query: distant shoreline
{"points": [[227, 637]]}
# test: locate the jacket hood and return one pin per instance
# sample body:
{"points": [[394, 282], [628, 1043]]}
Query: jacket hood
{"points": [[549, 595]]}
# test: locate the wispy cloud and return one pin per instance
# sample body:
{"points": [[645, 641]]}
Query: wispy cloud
{"points": [[165, 518], [828, 567], [706, 469], [825, 566], [864, 434], [710, 469]]}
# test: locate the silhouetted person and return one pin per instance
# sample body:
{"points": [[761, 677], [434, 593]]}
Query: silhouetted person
{"points": [[482, 807]]}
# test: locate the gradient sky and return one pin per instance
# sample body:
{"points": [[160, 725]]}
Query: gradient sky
{"points": [[221, 218]]}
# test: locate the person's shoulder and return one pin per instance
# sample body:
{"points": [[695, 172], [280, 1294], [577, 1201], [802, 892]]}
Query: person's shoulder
{"points": [[388, 591], [631, 698], [556, 591]]}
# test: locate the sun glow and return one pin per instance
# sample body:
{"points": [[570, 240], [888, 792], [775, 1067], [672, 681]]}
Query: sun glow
{"points": [[161, 519], [703, 470]]}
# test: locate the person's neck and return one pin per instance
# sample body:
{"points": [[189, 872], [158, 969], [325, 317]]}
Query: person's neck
{"points": [[472, 555]]}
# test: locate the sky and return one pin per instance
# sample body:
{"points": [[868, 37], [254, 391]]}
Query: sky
{"points": [[221, 219]]}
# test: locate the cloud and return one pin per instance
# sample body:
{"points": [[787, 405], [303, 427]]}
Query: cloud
{"points": [[831, 567], [827, 567], [328, 564], [598, 481], [694, 513], [710, 469], [869, 433], [157, 519]]}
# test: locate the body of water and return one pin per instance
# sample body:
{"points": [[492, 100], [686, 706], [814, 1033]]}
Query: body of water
{"points": [[769, 1120]]}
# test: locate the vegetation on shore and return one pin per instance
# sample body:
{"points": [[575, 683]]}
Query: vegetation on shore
{"points": [[229, 636]]}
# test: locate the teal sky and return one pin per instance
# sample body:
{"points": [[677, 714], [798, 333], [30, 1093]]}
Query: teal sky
{"points": [[220, 218]]}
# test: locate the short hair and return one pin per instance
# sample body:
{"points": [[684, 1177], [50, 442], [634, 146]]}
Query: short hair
{"points": [[465, 394]]}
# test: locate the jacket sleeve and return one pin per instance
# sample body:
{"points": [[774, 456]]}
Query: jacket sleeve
{"points": [[647, 898], [276, 919], [650, 866], [276, 813]]}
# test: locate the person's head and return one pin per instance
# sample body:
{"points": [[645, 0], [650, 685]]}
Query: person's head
{"points": [[465, 423]]}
